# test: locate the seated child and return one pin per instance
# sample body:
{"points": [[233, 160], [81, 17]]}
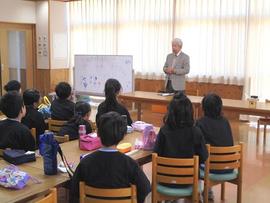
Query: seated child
{"points": [[112, 89], [13, 85], [81, 117], [107, 167], [62, 108], [178, 138], [33, 118], [216, 129], [14, 134]]}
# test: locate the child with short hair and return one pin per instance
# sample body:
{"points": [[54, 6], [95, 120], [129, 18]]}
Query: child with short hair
{"points": [[107, 167], [112, 89], [14, 134], [81, 117], [62, 108], [33, 118]]}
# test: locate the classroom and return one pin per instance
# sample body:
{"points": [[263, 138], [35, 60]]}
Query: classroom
{"points": [[134, 101]]}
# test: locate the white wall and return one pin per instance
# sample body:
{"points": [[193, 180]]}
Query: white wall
{"points": [[42, 34], [17, 11], [59, 35]]}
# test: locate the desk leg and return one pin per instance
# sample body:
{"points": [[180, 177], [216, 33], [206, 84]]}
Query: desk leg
{"points": [[139, 112]]}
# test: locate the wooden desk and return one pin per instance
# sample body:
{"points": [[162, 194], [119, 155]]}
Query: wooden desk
{"points": [[242, 107], [32, 189], [238, 106], [140, 97]]}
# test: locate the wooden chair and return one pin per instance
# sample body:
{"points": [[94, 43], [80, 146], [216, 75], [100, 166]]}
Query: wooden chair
{"points": [[34, 134], [263, 121], [1, 152], [176, 171], [49, 198], [55, 125], [221, 158], [61, 139], [90, 194]]}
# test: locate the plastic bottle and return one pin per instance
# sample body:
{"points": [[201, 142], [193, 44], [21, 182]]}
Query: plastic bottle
{"points": [[82, 131]]}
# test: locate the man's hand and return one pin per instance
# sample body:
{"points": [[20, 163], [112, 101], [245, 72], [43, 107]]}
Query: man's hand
{"points": [[170, 70]]}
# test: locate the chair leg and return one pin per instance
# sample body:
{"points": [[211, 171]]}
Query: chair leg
{"points": [[222, 191], [264, 133], [239, 193], [154, 198], [205, 194], [258, 131]]}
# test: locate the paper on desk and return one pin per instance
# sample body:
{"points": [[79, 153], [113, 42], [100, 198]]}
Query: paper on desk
{"points": [[165, 94]]}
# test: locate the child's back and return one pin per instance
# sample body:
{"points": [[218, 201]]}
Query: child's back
{"points": [[62, 108], [14, 134], [33, 118], [215, 128]]}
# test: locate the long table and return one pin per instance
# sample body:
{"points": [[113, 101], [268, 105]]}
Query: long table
{"points": [[72, 153], [229, 105]]}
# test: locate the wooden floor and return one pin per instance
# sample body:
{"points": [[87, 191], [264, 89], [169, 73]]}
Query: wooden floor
{"points": [[256, 176]]}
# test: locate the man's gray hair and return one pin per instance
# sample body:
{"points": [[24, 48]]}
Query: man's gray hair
{"points": [[178, 41]]}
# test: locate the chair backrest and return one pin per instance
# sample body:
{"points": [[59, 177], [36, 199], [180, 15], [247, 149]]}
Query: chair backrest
{"points": [[221, 158], [34, 134], [50, 198], [55, 125], [61, 139], [99, 195], [175, 171], [1, 152]]}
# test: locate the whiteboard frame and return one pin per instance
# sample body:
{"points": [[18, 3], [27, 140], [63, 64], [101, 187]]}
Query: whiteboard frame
{"points": [[93, 93]]}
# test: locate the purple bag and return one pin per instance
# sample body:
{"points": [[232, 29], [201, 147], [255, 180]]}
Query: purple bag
{"points": [[12, 177], [149, 138]]}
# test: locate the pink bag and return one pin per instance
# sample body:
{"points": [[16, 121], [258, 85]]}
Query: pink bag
{"points": [[89, 142]]}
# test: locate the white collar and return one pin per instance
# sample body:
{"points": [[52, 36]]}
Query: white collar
{"points": [[178, 53], [14, 119]]}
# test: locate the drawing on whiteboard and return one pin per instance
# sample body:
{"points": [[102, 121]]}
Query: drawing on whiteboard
{"points": [[84, 82]]}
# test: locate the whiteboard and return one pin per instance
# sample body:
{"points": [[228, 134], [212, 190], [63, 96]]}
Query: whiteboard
{"points": [[92, 71]]}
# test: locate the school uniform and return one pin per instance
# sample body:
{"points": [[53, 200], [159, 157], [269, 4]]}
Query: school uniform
{"points": [[15, 135], [119, 108], [180, 143], [108, 168], [62, 109], [34, 119], [72, 129], [216, 132]]}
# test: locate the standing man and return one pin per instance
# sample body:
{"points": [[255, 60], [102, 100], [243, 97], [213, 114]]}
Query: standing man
{"points": [[176, 67]]}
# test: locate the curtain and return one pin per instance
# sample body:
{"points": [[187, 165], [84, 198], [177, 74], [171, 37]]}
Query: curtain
{"points": [[227, 40]]}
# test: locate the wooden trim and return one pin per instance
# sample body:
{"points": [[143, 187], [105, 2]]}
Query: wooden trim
{"points": [[49, 34]]}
